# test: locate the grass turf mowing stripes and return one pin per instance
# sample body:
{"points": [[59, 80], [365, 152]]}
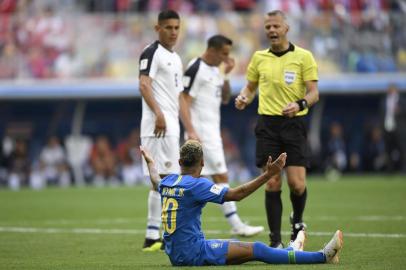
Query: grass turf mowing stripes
{"points": [[103, 228]]}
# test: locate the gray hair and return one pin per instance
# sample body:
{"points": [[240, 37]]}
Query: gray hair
{"points": [[276, 13]]}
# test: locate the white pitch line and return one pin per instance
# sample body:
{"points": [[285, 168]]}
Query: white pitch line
{"points": [[209, 232], [125, 220]]}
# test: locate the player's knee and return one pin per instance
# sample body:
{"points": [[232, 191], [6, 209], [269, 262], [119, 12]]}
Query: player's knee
{"points": [[274, 184], [297, 187]]}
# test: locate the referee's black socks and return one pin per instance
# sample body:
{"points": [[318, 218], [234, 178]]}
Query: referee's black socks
{"points": [[298, 205], [273, 206]]}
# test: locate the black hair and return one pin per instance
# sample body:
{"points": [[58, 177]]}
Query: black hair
{"points": [[218, 41], [167, 14]]}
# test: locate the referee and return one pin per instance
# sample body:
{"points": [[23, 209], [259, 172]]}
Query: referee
{"points": [[286, 76]]}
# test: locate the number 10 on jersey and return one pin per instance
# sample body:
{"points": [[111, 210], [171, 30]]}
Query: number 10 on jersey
{"points": [[169, 208]]}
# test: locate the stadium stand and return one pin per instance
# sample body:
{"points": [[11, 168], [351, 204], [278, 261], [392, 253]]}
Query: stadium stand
{"points": [[57, 79]]}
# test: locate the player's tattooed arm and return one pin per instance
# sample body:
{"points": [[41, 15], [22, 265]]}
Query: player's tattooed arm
{"points": [[153, 172], [271, 169]]}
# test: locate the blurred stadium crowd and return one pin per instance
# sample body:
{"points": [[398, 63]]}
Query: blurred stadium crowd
{"points": [[83, 39], [88, 38], [39, 147], [85, 160]]}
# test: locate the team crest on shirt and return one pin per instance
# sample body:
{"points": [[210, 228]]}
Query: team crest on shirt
{"points": [[168, 164], [290, 77], [143, 64], [186, 81]]}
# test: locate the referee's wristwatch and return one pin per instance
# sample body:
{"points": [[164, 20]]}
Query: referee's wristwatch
{"points": [[302, 104]]}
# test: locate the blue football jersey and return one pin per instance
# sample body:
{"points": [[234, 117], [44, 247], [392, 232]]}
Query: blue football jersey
{"points": [[183, 198]]}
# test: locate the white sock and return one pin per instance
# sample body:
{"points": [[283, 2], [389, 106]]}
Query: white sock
{"points": [[230, 211], [154, 215]]}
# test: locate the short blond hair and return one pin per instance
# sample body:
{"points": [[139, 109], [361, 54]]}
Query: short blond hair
{"points": [[191, 153]]}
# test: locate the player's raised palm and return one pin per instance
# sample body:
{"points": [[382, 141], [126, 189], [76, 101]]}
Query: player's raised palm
{"points": [[274, 168], [146, 155]]}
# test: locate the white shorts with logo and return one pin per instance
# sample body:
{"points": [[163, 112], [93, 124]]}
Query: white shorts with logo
{"points": [[165, 152], [214, 160]]}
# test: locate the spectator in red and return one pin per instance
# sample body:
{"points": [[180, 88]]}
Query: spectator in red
{"points": [[38, 65], [9, 59]]}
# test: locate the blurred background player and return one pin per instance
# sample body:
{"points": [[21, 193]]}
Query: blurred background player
{"points": [[392, 112], [286, 76], [205, 91], [160, 80], [103, 161], [185, 195], [53, 163], [129, 155]]}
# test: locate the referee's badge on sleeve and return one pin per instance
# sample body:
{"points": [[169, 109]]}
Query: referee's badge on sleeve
{"points": [[289, 77]]}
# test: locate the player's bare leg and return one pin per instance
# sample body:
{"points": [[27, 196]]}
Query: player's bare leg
{"points": [[230, 212], [239, 252]]}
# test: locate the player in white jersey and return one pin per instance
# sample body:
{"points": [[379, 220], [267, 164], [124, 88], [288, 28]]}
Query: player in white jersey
{"points": [[205, 90], [160, 81]]}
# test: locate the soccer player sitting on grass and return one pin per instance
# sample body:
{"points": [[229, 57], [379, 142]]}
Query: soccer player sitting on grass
{"points": [[183, 197]]}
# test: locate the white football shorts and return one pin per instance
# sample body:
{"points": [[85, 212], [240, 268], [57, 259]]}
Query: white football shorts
{"points": [[214, 160], [165, 152]]}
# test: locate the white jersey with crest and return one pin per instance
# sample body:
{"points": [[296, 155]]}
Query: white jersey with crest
{"points": [[204, 84], [166, 70]]}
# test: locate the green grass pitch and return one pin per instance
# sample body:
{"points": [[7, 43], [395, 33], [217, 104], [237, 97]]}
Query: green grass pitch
{"points": [[103, 228]]}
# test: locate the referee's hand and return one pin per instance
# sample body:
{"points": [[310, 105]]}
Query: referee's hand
{"points": [[241, 102], [290, 110]]}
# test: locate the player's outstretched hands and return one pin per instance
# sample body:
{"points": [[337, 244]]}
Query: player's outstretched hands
{"points": [[274, 168], [146, 155]]}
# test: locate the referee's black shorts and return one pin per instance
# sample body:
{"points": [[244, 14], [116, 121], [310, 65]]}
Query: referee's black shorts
{"points": [[278, 134]]}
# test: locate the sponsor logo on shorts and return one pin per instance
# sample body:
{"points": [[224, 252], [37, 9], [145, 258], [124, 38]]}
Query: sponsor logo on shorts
{"points": [[168, 164], [218, 164], [216, 245]]}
